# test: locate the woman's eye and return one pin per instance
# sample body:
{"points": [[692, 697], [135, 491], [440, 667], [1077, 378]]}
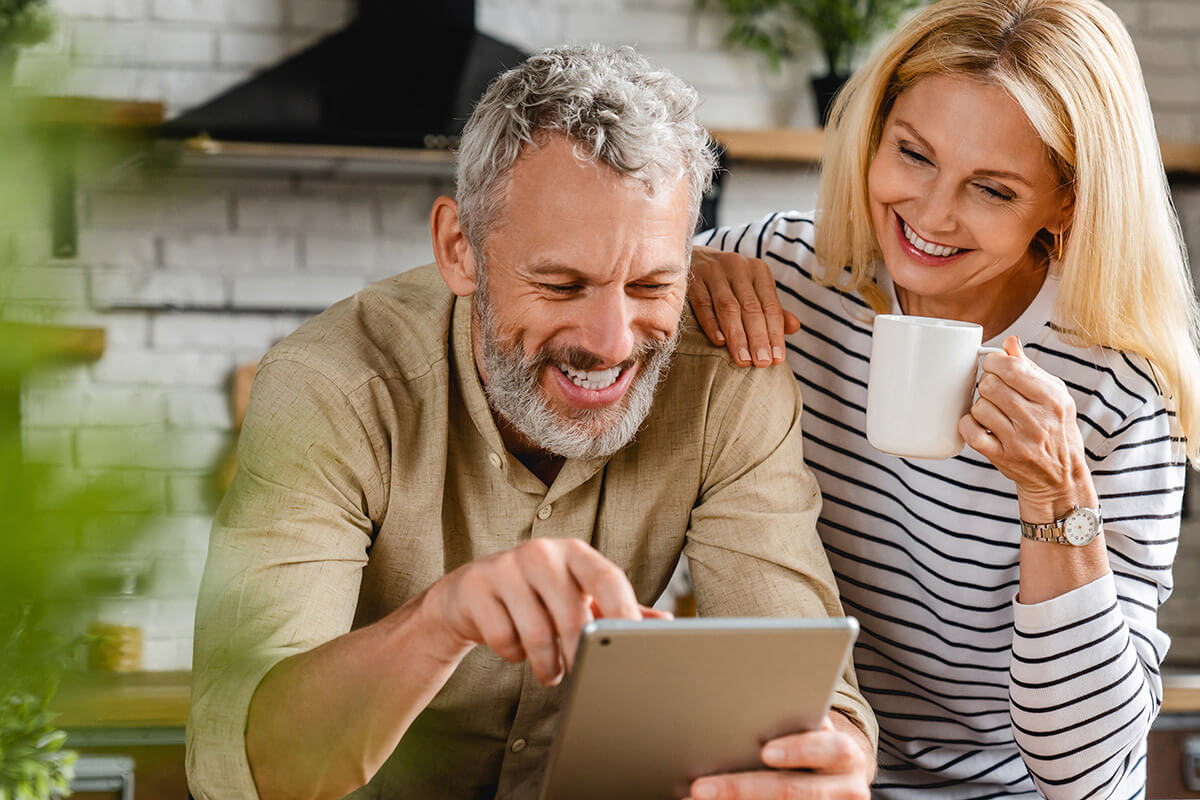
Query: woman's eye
{"points": [[995, 194], [913, 155]]}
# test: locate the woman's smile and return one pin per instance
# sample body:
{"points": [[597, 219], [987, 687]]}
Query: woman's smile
{"points": [[923, 250]]}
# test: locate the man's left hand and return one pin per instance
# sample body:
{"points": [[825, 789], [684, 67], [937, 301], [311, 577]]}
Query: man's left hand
{"points": [[837, 760]]}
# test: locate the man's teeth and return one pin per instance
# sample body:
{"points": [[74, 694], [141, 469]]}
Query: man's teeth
{"points": [[594, 380], [926, 247]]}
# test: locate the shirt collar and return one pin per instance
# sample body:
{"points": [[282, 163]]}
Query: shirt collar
{"points": [[1030, 326]]}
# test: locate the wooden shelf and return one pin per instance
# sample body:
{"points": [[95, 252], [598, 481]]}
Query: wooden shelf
{"points": [[203, 151], [1181, 692], [803, 146], [91, 111], [789, 145], [58, 342]]}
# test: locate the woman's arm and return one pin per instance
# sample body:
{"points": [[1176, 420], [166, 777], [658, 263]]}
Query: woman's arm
{"points": [[1084, 682]]}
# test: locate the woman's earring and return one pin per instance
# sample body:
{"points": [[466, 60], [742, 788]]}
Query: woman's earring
{"points": [[1058, 246]]}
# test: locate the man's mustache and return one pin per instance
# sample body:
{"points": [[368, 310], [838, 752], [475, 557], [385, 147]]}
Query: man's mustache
{"points": [[579, 358]]}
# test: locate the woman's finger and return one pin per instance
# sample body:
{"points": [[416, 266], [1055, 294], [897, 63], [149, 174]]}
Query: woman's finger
{"points": [[754, 321], [706, 316], [729, 318], [989, 415], [977, 437], [1012, 404], [768, 298]]}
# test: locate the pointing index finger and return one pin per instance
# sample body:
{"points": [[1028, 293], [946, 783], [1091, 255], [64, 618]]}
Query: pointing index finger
{"points": [[605, 582]]}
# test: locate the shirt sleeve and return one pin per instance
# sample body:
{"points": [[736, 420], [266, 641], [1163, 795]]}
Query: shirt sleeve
{"points": [[285, 559], [1084, 681], [757, 515]]}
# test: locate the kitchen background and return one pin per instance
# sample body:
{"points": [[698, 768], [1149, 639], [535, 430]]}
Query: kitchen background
{"points": [[194, 266]]}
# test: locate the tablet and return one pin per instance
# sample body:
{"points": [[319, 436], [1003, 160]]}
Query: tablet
{"points": [[652, 705]]}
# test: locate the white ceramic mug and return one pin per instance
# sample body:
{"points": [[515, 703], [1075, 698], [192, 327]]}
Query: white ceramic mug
{"points": [[922, 382]]}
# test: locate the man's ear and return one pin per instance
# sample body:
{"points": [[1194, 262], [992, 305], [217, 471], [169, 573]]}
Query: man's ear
{"points": [[454, 255]]}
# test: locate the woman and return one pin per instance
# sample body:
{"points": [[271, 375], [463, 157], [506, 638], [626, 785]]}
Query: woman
{"points": [[996, 162]]}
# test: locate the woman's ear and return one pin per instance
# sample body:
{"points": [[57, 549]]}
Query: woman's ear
{"points": [[454, 255], [1066, 214]]}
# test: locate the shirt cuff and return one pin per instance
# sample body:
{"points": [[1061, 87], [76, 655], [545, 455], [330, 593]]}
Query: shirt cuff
{"points": [[217, 764], [1073, 606], [849, 702]]}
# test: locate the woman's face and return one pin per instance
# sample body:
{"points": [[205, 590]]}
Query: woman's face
{"points": [[959, 187]]}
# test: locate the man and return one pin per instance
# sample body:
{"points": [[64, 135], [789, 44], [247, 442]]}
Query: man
{"points": [[440, 482]]}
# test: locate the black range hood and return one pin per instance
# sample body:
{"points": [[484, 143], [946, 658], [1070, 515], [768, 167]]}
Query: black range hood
{"points": [[396, 76]]}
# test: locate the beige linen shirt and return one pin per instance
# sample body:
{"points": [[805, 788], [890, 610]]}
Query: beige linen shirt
{"points": [[370, 466]]}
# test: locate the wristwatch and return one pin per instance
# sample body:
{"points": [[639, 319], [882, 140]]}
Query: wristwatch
{"points": [[1077, 528]]}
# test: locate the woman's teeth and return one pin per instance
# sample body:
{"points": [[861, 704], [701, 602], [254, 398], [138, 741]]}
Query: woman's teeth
{"points": [[594, 380], [926, 247]]}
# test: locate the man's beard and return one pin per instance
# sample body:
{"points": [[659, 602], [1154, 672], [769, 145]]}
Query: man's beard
{"points": [[514, 390]]}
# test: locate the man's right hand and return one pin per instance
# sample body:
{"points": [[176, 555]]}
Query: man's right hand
{"points": [[531, 602]]}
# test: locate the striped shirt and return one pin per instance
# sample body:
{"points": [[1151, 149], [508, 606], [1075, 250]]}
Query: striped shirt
{"points": [[979, 696]]}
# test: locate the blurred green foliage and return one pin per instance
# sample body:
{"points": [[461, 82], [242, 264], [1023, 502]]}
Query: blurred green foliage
{"points": [[43, 507], [25, 22], [781, 29]]}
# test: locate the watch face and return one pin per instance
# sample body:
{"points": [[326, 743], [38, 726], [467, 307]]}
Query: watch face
{"points": [[1081, 526]]}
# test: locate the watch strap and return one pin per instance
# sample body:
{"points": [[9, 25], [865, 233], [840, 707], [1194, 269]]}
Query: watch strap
{"points": [[1045, 531]]}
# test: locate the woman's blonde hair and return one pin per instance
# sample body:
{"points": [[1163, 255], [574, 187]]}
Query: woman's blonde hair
{"points": [[1072, 68]]}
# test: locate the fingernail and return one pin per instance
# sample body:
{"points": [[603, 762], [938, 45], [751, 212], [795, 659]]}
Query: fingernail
{"points": [[778, 351], [720, 338], [763, 355], [773, 754], [705, 791], [743, 354]]}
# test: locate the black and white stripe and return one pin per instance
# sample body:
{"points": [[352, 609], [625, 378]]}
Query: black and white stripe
{"points": [[978, 696]]}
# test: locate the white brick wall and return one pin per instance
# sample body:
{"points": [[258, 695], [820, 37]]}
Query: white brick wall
{"points": [[192, 272]]}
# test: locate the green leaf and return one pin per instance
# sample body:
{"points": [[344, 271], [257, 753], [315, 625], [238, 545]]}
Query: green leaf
{"points": [[784, 29]]}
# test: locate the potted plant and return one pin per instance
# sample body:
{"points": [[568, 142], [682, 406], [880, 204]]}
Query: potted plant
{"points": [[22, 23], [778, 29]]}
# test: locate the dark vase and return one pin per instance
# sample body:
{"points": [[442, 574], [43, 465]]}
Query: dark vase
{"points": [[825, 89]]}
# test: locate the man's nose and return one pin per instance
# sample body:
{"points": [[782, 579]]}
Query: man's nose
{"points": [[606, 327]]}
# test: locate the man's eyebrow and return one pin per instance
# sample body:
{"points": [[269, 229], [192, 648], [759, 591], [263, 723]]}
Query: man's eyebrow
{"points": [[991, 173], [545, 269]]}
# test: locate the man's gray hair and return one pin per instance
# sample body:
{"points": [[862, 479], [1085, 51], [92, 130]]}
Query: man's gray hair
{"points": [[618, 109]]}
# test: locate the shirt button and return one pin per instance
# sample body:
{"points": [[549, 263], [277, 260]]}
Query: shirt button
{"points": [[497, 462], [518, 745], [544, 512]]}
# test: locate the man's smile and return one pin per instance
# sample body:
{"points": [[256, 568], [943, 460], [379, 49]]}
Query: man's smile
{"points": [[592, 389]]}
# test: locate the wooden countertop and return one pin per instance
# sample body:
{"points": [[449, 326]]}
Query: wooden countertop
{"points": [[160, 699], [134, 699], [803, 146]]}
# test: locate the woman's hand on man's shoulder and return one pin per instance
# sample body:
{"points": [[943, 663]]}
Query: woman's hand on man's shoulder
{"points": [[737, 305]]}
